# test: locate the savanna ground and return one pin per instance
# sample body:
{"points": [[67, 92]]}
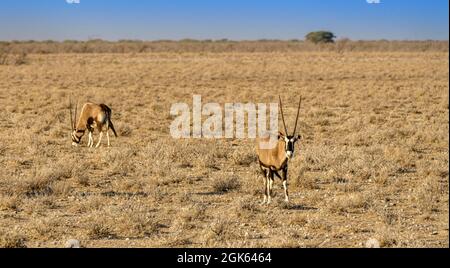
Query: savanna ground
{"points": [[373, 162]]}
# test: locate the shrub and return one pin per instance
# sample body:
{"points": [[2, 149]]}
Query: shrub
{"points": [[224, 185], [320, 37]]}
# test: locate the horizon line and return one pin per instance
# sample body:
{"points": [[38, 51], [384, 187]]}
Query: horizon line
{"points": [[187, 39]]}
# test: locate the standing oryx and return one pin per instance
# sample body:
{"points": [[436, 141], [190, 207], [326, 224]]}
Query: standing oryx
{"points": [[92, 116], [275, 159]]}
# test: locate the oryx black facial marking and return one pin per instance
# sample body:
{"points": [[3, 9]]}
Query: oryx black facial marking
{"points": [[76, 135], [289, 146]]}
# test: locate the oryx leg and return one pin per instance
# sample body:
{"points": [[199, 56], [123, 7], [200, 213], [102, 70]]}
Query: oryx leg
{"points": [[265, 190], [264, 173], [269, 186], [99, 139], [91, 139], [285, 186], [107, 131]]}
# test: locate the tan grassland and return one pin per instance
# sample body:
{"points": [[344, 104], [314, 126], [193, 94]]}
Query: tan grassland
{"points": [[373, 161]]}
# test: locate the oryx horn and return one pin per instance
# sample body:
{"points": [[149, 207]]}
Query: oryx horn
{"points": [[296, 118], [71, 116], [75, 117], [282, 116]]}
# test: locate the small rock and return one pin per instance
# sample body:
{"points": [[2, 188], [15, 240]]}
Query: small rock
{"points": [[372, 243], [72, 243], [434, 233]]}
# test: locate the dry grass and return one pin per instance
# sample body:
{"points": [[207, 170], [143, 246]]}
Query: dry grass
{"points": [[7, 58], [224, 185], [221, 45], [8, 240], [372, 164]]}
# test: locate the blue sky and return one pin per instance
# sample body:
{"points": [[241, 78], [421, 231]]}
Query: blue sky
{"points": [[215, 19]]}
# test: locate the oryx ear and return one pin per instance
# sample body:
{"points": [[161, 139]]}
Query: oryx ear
{"points": [[299, 137], [280, 135]]}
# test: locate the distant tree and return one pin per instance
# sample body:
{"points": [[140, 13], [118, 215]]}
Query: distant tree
{"points": [[320, 37]]}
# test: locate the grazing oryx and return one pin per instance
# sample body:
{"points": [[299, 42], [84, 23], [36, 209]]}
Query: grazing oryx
{"points": [[275, 159], [92, 116]]}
